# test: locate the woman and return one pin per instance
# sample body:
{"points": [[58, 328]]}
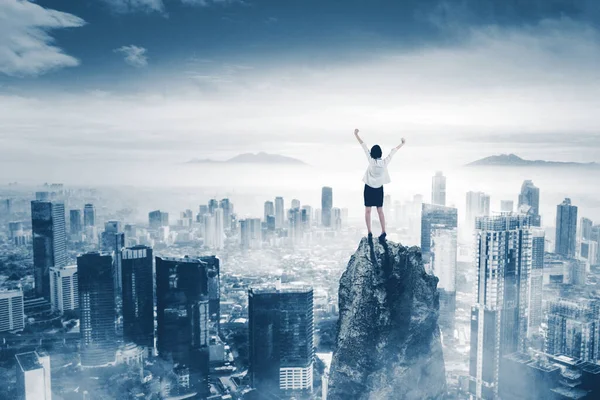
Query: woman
{"points": [[374, 179]]}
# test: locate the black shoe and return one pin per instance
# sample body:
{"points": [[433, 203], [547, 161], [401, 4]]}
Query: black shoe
{"points": [[382, 237], [370, 236]]}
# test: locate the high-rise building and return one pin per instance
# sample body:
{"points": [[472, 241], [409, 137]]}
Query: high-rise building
{"points": [[530, 196], [295, 204], [269, 209], [499, 318], [566, 229], [182, 299], [281, 338], [213, 271], [308, 214], [270, 223], [326, 206], [478, 205], [209, 231], [507, 206], [5, 208], [585, 228], [76, 227], [64, 285], [336, 218], [439, 247], [16, 234], [49, 242], [538, 248], [213, 204], [295, 225], [574, 329], [279, 212], [42, 196], [438, 189], [255, 233], [89, 215], [158, 219], [97, 309], [245, 234], [12, 317], [219, 235], [113, 241], [138, 296], [33, 376]]}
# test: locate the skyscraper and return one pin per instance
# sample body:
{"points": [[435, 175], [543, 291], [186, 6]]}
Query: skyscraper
{"points": [[245, 234], [279, 212], [478, 205], [182, 300], [213, 204], [49, 242], [326, 206], [585, 228], [64, 285], [295, 204], [499, 318], [138, 296], [439, 247], [269, 209], [158, 219], [97, 309], [438, 189], [42, 196], [113, 241], [213, 272], [75, 222], [566, 228], [537, 280], [530, 196], [227, 208], [5, 208], [33, 376], [573, 329], [219, 235], [281, 338], [89, 215], [12, 315]]}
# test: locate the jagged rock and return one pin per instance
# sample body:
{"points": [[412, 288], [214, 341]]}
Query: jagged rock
{"points": [[388, 341]]}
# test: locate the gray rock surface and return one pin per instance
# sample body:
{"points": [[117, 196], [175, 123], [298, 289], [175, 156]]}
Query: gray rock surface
{"points": [[388, 341]]}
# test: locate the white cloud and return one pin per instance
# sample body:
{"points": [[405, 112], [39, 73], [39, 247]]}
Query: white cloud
{"points": [[126, 6], [25, 46], [134, 55]]}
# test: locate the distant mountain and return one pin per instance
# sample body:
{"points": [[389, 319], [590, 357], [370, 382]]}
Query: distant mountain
{"points": [[512, 160], [252, 158]]}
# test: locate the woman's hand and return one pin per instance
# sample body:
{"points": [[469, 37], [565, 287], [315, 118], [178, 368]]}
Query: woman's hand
{"points": [[356, 132]]}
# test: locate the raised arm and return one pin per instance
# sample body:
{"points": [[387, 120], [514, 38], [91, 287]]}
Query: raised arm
{"points": [[363, 144], [394, 150]]}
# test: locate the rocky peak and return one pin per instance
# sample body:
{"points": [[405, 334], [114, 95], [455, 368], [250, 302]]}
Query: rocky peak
{"points": [[388, 341]]}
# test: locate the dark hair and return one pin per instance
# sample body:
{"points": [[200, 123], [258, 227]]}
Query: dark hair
{"points": [[376, 152]]}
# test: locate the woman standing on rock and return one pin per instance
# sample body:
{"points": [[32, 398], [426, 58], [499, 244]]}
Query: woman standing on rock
{"points": [[375, 177]]}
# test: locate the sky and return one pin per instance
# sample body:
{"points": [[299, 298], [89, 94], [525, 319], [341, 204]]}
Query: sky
{"points": [[135, 81]]}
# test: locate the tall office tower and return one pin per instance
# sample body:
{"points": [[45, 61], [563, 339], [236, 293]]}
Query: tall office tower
{"points": [[255, 233], [279, 213], [538, 248], [138, 296], [295, 203], [5, 208], [507, 206], [566, 228], [227, 207], [280, 324], [113, 241], [438, 189], [530, 196], [573, 329], [203, 210], [308, 211], [270, 223], [326, 205], [213, 268], [33, 376], [97, 309], [269, 209], [76, 227], [245, 233], [89, 215], [16, 234], [64, 288], [499, 318], [296, 225], [12, 317], [42, 196], [213, 204], [209, 231], [130, 231], [439, 247], [585, 228], [49, 242], [219, 237], [182, 300], [478, 205], [336, 218]]}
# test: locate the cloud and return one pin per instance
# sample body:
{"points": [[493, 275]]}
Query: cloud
{"points": [[25, 46], [134, 55], [128, 6]]}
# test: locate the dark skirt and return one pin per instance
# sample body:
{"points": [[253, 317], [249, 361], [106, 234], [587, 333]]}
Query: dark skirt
{"points": [[373, 197]]}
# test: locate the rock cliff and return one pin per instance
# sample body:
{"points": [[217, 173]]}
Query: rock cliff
{"points": [[388, 340]]}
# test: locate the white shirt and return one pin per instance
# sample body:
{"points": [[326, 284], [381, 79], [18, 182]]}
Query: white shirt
{"points": [[377, 174]]}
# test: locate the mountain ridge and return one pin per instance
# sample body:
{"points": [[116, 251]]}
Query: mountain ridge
{"points": [[252, 158], [512, 160]]}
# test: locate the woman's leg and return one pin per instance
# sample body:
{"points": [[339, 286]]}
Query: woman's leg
{"points": [[368, 218], [381, 219]]}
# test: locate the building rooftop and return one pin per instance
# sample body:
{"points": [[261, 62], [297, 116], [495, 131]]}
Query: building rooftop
{"points": [[28, 361], [282, 290], [571, 393]]}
